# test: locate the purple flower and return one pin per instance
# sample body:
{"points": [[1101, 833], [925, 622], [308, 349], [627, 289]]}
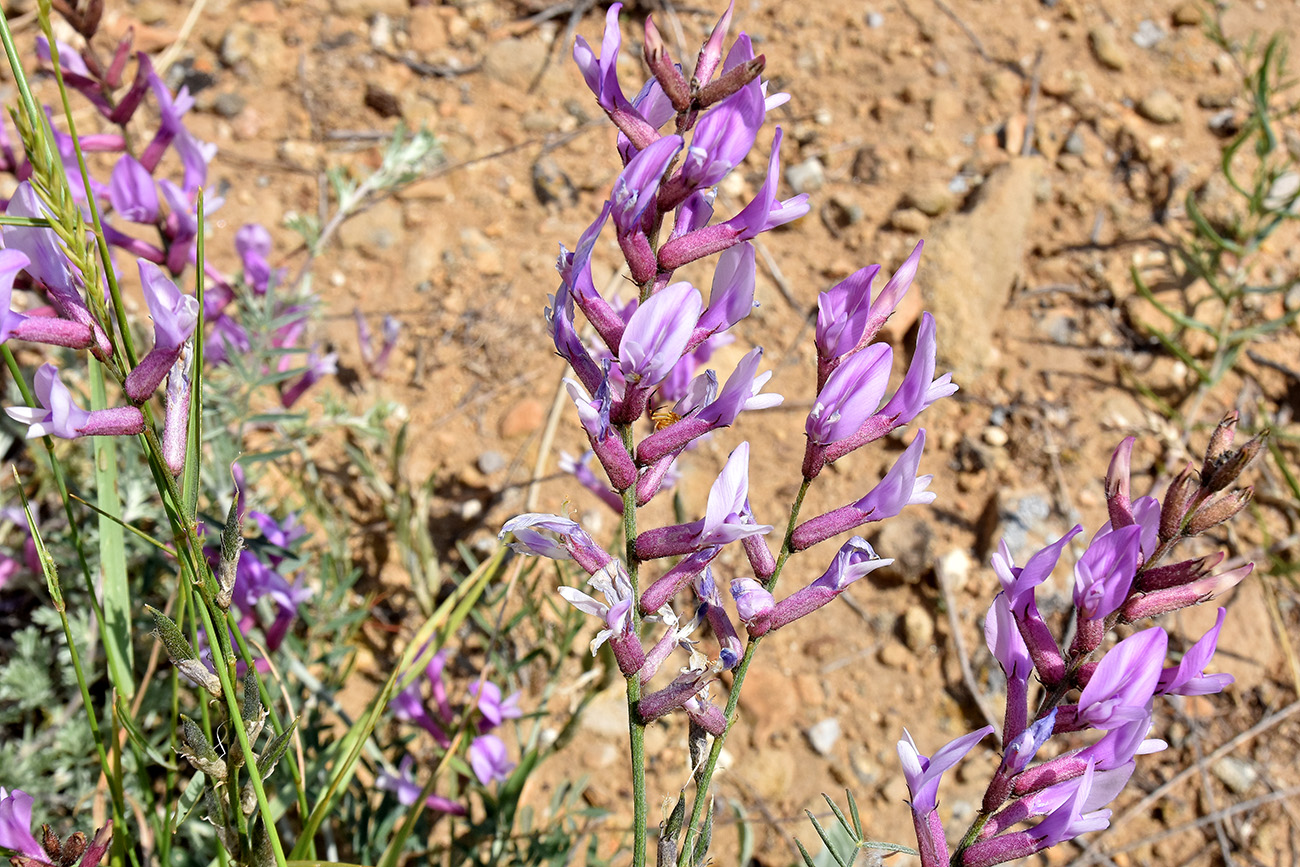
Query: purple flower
{"points": [[1004, 640], [253, 244], [731, 296], [131, 190], [58, 416], [616, 612], [403, 785], [637, 184], [195, 155], [855, 559], [581, 471], [318, 367], [601, 75], [1125, 680], [11, 262], [494, 708], [900, 487], [1188, 677], [753, 602], [704, 409], [726, 518], [923, 774], [917, 392], [851, 395], [762, 214], [16, 824], [487, 756], [541, 535], [654, 342], [175, 316], [722, 138], [847, 318], [1104, 574]]}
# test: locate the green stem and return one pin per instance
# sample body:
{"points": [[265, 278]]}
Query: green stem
{"points": [[233, 704], [694, 827], [636, 728]]}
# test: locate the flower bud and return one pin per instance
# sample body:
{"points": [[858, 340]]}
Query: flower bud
{"points": [[1177, 498], [198, 751], [182, 655], [1227, 469], [232, 545], [1213, 514]]}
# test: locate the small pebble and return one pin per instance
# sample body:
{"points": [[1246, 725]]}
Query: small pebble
{"points": [[1149, 34], [807, 176], [994, 436], [918, 629], [1237, 774], [470, 509], [1106, 48], [1186, 15], [909, 220], [490, 462], [875, 20], [1160, 106], [824, 735], [1074, 144], [228, 104]]}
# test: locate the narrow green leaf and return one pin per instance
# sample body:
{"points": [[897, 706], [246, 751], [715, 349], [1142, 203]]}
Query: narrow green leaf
{"points": [[116, 588], [42, 553], [189, 799]]}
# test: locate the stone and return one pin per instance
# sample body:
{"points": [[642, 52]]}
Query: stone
{"points": [[807, 176], [1236, 773], [228, 104], [918, 629], [252, 47], [1149, 34], [1106, 48], [366, 9], [932, 199], [896, 656], [909, 221], [302, 155], [1186, 14], [524, 418], [490, 462], [906, 539], [971, 263], [427, 29], [824, 735], [994, 436], [514, 62], [767, 703], [1160, 106], [954, 569]]}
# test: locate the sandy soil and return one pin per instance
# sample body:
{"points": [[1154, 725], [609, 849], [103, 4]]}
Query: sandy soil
{"points": [[907, 122]]}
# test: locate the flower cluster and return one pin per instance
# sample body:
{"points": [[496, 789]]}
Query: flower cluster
{"points": [[137, 192], [1118, 580], [435, 714], [644, 364]]}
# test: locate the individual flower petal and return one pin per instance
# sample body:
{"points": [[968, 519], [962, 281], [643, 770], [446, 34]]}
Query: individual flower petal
{"points": [[1188, 677], [923, 774], [16, 824], [851, 395], [132, 191], [1125, 680], [488, 759], [657, 334]]}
